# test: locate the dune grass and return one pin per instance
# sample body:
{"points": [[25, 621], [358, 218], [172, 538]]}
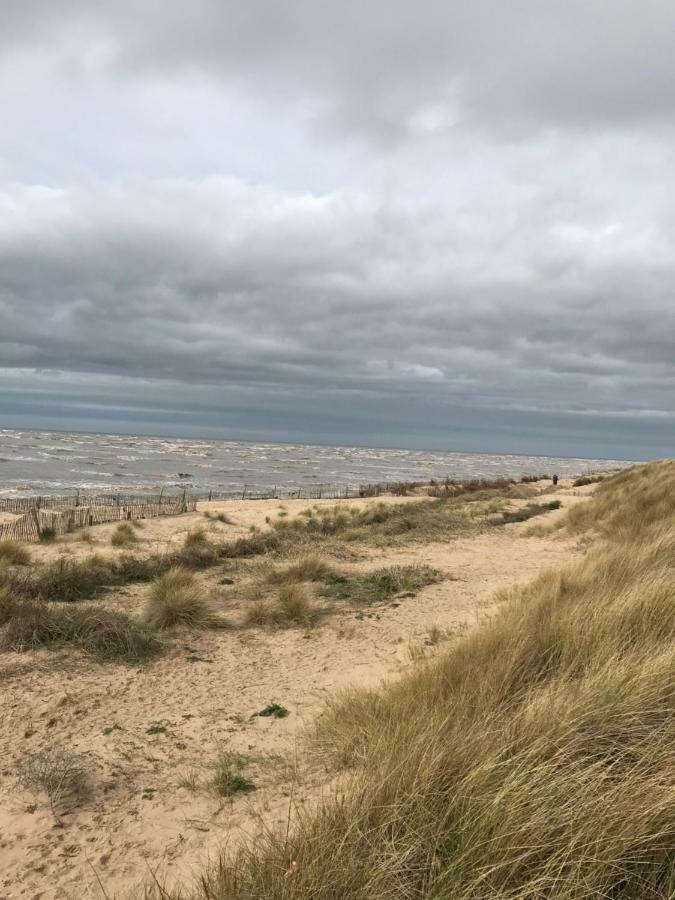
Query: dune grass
{"points": [[106, 635], [292, 606], [176, 598], [14, 554], [124, 536], [380, 585], [382, 525], [535, 759], [310, 567]]}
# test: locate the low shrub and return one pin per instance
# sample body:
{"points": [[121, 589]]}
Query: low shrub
{"points": [[58, 773]]}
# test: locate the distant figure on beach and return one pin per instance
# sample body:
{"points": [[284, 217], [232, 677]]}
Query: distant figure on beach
{"points": [[555, 480]]}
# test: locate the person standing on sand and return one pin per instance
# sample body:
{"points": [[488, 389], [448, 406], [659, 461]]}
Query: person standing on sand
{"points": [[555, 480]]}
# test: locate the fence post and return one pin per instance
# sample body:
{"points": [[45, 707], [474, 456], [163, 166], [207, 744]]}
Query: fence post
{"points": [[243, 493], [36, 520]]}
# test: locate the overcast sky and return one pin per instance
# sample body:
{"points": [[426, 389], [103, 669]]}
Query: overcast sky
{"points": [[426, 224]]}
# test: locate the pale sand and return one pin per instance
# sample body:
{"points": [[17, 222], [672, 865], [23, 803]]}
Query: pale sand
{"points": [[118, 838]]}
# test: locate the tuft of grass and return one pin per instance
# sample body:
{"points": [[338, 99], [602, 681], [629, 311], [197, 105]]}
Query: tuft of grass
{"points": [[99, 632], [295, 603], [85, 536], [14, 554], [381, 585], [260, 614], [47, 535], [292, 606], [227, 778], [310, 567], [176, 598], [123, 536], [218, 517], [196, 538]]}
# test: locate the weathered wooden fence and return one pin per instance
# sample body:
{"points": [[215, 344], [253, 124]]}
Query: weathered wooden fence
{"points": [[37, 521]]}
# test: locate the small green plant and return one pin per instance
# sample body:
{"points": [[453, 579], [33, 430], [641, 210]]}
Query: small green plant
{"points": [[227, 778], [156, 729], [47, 535], [110, 728], [273, 710], [123, 536]]}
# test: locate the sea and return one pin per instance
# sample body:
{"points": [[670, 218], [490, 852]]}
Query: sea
{"points": [[45, 462]]}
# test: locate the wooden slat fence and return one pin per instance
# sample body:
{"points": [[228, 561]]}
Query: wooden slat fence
{"points": [[36, 520]]}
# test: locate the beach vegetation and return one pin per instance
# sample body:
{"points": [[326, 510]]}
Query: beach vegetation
{"points": [[123, 536], [101, 633], [177, 598], [531, 759], [14, 554]]}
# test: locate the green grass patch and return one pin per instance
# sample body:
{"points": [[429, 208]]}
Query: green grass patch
{"points": [[381, 585]]}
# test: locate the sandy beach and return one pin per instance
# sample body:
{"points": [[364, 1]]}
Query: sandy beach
{"points": [[148, 735]]}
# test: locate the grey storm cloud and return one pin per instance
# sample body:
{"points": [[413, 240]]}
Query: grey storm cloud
{"points": [[422, 221]]}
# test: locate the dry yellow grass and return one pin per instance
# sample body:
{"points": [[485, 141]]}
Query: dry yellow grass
{"points": [[292, 606], [123, 536], [176, 598], [13, 554], [536, 759]]}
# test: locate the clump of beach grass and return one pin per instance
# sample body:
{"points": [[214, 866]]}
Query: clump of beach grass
{"points": [[123, 536], [14, 554], [293, 605], [104, 634], [177, 598], [310, 567]]}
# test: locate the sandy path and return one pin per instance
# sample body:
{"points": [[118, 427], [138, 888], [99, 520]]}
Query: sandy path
{"points": [[138, 818]]}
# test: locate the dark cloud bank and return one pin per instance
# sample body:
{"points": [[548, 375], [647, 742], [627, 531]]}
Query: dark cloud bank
{"points": [[444, 225]]}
